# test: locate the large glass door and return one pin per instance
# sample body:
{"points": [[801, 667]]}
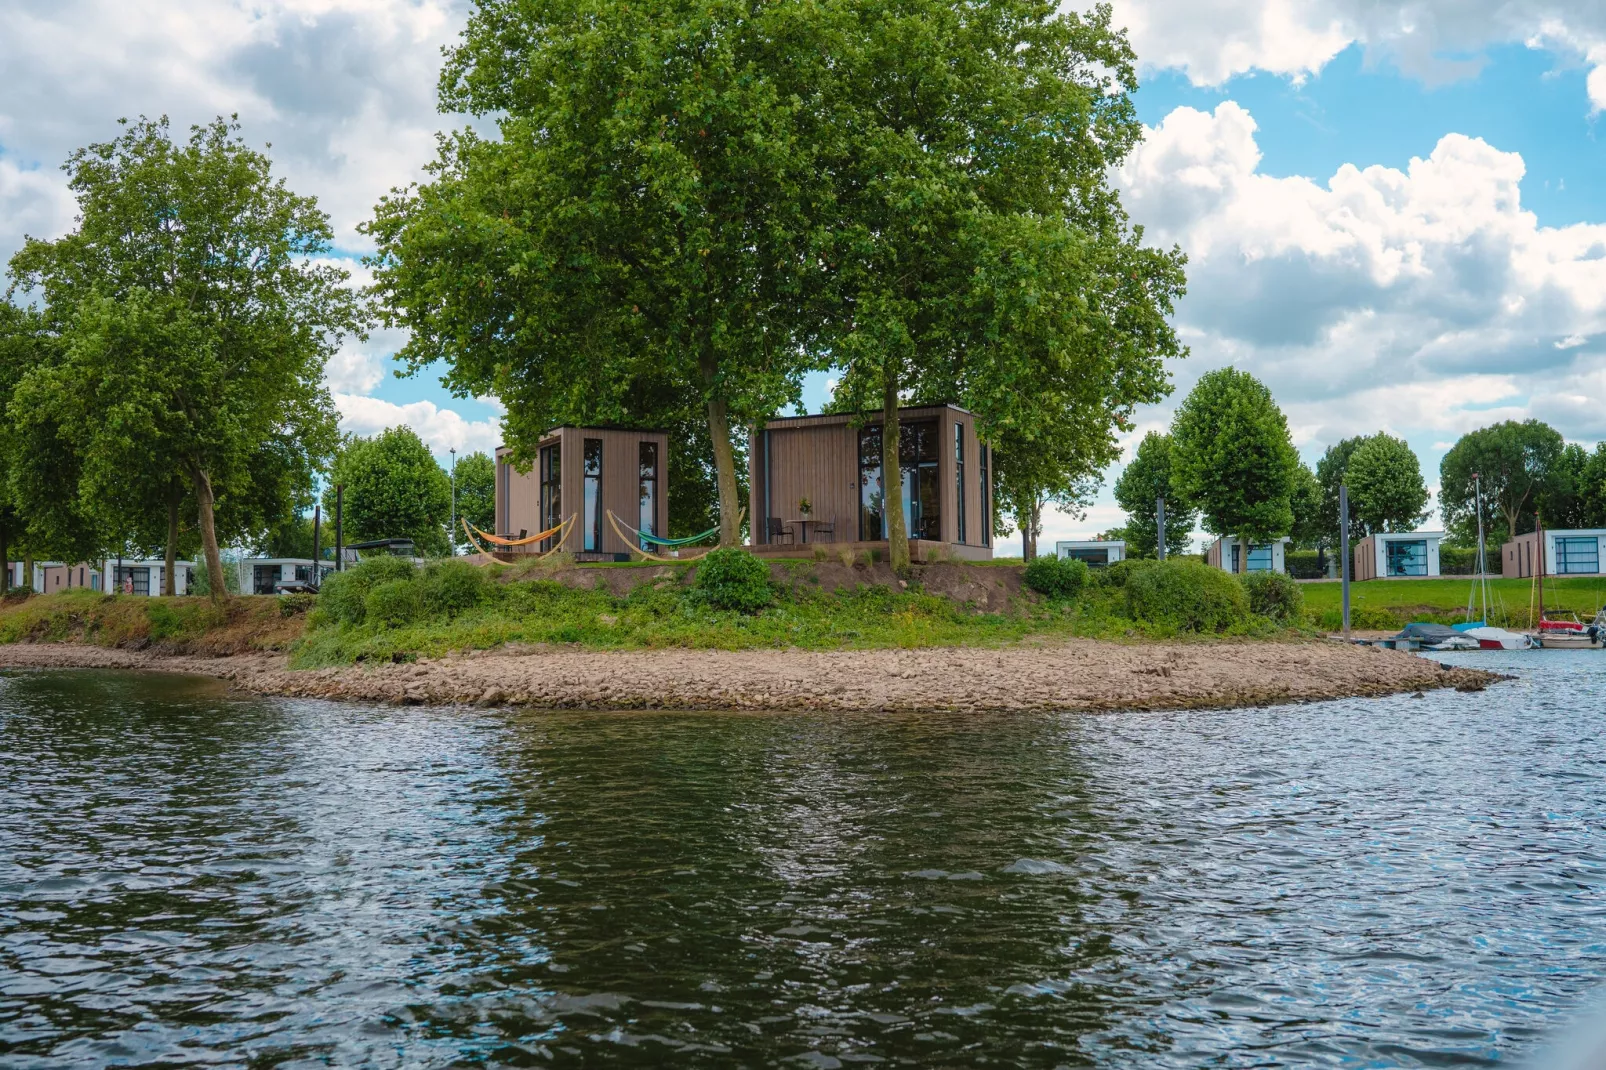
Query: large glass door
{"points": [[917, 458], [550, 466]]}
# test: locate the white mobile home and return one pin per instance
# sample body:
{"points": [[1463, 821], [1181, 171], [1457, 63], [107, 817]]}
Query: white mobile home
{"points": [[1228, 553], [265, 575], [1568, 552], [1399, 554], [1096, 552]]}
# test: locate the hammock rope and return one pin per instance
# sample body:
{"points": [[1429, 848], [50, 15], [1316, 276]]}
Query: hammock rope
{"points": [[620, 527], [500, 540], [561, 531]]}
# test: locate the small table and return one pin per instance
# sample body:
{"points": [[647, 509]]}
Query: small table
{"points": [[804, 524]]}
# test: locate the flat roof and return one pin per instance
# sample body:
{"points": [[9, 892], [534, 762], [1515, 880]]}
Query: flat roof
{"points": [[1089, 543], [823, 417]]}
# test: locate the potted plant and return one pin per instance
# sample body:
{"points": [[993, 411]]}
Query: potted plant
{"points": [[804, 507]]}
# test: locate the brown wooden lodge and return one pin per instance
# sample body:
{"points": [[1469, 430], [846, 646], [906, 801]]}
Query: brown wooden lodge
{"points": [[833, 463]]}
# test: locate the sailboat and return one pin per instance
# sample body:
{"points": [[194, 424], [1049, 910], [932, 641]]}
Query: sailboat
{"points": [[1488, 638], [1562, 631]]}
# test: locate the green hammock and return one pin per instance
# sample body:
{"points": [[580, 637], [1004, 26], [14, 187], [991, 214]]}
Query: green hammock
{"points": [[663, 544], [672, 543]]}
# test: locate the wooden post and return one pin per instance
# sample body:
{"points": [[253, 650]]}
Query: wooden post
{"points": [[317, 545]]}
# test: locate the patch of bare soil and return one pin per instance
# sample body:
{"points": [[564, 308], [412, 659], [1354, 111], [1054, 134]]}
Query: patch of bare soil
{"points": [[1074, 675]]}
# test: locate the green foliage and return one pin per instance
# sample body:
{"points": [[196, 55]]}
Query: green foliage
{"points": [[1275, 596], [1330, 473], [1306, 504], [1146, 479], [448, 588], [1386, 492], [201, 583], [1516, 462], [476, 494], [195, 313], [1187, 596], [1563, 501], [1118, 574], [1056, 577], [343, 595], [1592, 489], [393, 603], [734, 579], [394, 489], [1306, 564], [1232, 456]]}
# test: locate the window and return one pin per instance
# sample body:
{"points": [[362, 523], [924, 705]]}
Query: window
{"points": [[263, 578], [592, 494], [647, 490], [1095, 558], [986, 499], [1577, 555], [504, 480], [1407, 558], [1259, 557], [959, 481], [140, 576], [917, 460], [549, 465]]}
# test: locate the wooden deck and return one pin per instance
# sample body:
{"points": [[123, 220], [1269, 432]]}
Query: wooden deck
{"points": [[920, 550]]}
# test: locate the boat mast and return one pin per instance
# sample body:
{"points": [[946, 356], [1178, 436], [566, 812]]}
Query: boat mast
{"points": [[1539, 535], [1483, 556]]}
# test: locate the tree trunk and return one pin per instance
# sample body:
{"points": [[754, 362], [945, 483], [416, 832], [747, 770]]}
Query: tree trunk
{"points": [[169, 586], [719, 431], [5, 561], [892, 477], [27, 572], [214, 560], [1030, 521]]}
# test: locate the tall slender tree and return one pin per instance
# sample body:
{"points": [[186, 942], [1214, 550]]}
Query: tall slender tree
{"points": [[1146, 480], [1386, 490], [195, 321]]}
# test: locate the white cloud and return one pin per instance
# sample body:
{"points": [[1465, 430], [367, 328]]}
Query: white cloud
{"points": [[1213, 40], [1425, 298], [441, 429]]}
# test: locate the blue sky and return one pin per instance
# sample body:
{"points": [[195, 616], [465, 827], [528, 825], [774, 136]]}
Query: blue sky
{"points": [[1395, 214]]}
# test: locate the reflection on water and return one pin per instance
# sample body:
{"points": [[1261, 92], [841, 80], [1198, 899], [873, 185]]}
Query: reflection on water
{"points": [[187, 878]]}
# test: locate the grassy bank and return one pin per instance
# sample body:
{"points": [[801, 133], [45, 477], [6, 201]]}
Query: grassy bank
{"points": [[1380, 604], [172, 625]]}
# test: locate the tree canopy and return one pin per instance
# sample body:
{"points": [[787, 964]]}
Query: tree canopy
{"points": [[1330, 473], [1233, 458], [1147, 479], [195, 322], [1386, 491], [476, 493], [394, 489], [1516, 461]]}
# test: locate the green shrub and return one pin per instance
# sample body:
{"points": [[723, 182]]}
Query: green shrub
{"points": [[1273, 595], [1306, 564], [1056, 577], [393, 603], [450, 587], [343, 595], [1186, 595], [733, 579], [1116, 575]]}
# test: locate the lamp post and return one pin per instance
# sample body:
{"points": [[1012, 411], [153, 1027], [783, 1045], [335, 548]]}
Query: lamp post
{"points": [[451, 528], [1159, 523]]}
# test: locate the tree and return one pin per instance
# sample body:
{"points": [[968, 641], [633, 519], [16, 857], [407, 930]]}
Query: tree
{"points": [[1147, 479], [476, 494], [1515, 461], [1029, 476], [1386, 492], [1233, 458], [1561, 502], [1310, 528], [650, 212], [196, 321], [979, 253], [1592, 489], [394, 489], [1330, 473]]}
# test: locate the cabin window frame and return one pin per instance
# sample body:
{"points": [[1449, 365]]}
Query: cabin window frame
{"points": [[549, 471], [647, 491], [1579, 548], [919, 453], [591, 495], [986, 498], [959, 482], [1405, 557]]}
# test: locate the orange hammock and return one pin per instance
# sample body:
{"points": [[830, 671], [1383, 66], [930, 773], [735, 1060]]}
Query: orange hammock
{"points": [[500, 541], [561, 531]]}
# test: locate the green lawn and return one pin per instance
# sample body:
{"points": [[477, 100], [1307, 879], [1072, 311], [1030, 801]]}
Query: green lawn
{"points": [[1387, 603]]}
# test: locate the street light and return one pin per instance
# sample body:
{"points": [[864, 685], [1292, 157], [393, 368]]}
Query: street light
{"points": [[451, 530]]}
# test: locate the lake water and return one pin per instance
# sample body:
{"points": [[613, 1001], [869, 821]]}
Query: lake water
{"points": [[190, 878]]}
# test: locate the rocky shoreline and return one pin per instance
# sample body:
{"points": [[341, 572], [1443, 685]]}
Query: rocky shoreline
{"points": [[1084, 675]]}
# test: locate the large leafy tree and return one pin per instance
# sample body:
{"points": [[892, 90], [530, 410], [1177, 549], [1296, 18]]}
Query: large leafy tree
{"points": [[1233, 457], [1592, 489], [649, 212], [980, 254], [1146, 480], [1030, 475], [1516, 462], [394, 489], [476, 493], [1330, 473], [1386, 491], [195, 322], [1562, 502], [1305, 500]]}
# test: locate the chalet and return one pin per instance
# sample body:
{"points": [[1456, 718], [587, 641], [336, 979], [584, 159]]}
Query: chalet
{"points": [[587, 473]]}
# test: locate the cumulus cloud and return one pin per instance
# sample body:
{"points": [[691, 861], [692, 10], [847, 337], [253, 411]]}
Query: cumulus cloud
{"points": [[441, 429], [1213, 40], [1423, 298]]}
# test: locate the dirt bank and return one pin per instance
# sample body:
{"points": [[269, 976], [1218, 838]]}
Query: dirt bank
{"points": [[1073, 675]]}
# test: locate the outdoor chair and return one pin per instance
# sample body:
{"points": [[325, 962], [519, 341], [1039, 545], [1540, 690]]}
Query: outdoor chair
{"points": [[777, 530], [825, 532]]}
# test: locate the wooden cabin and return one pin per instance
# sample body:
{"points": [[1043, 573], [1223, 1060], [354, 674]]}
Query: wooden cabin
{"points": [[586, 471], [1228, 553], [833, 463], [1395, 554]]}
